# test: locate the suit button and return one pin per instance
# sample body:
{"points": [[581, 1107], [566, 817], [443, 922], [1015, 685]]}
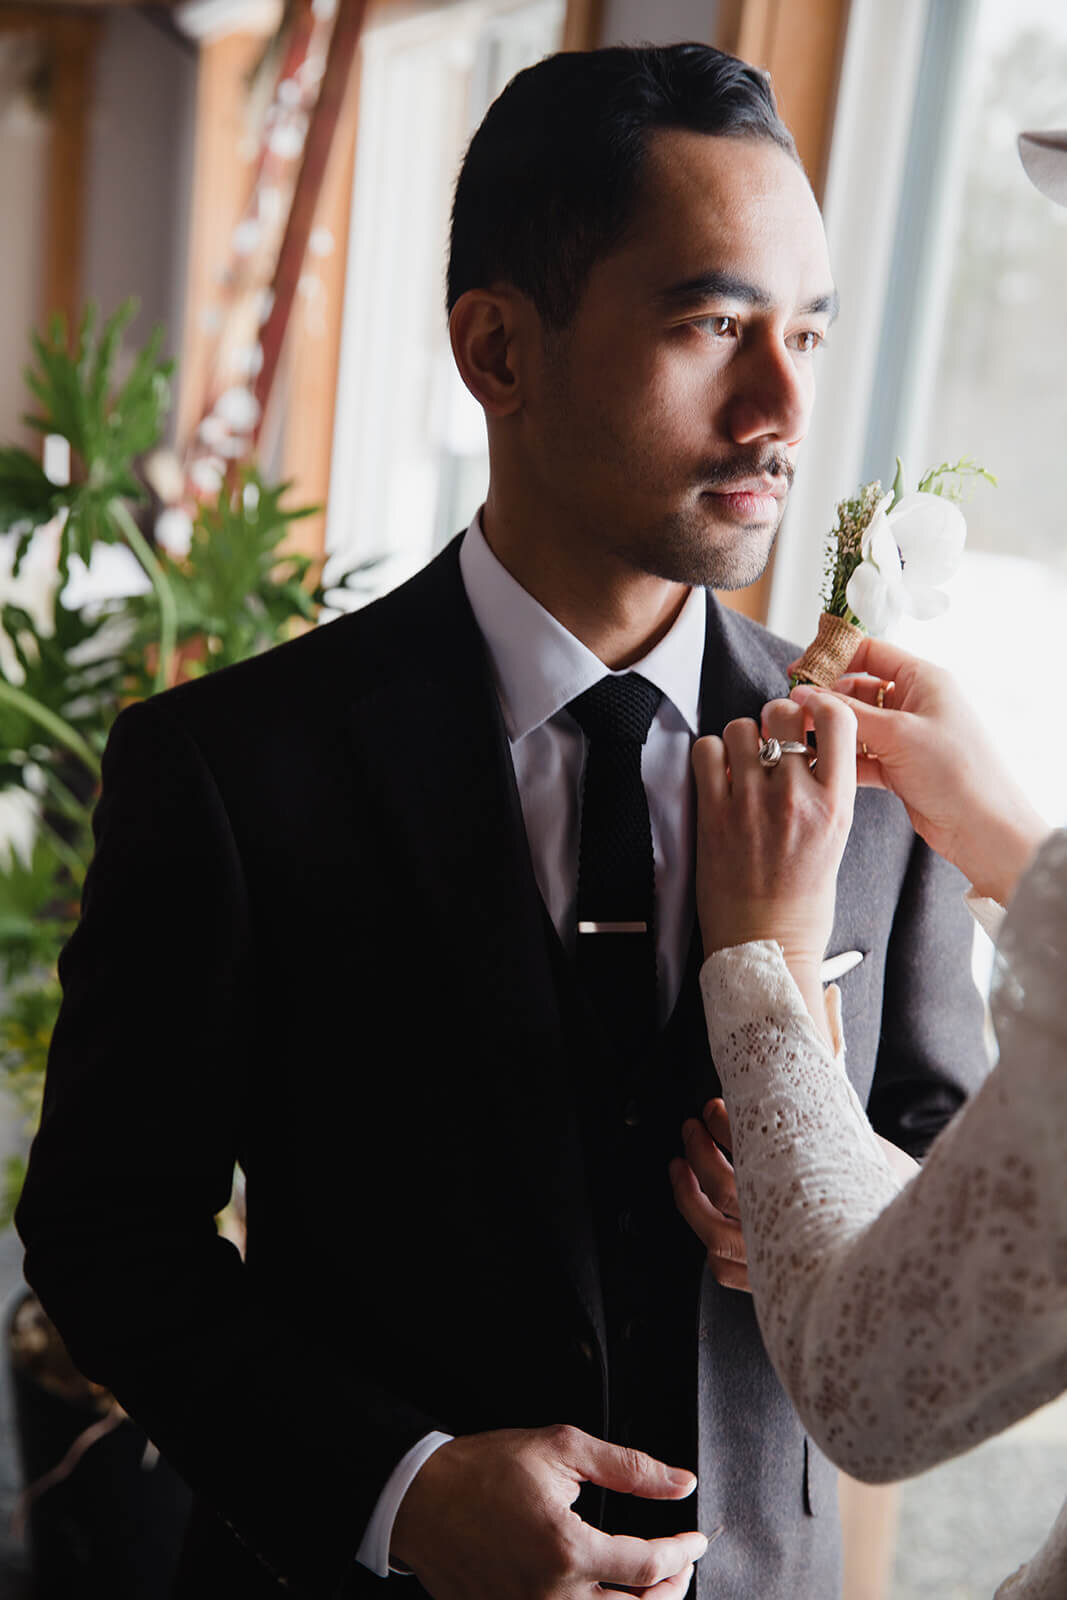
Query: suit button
{"points": [[585, 1350], [631, 1114]]}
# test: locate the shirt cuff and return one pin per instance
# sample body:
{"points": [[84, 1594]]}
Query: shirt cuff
{"points": [[374, 1548], [989, 914]]}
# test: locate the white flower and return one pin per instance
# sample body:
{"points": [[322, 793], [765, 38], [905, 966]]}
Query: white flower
{"points": [[206, 475], [246, 237], [247, 360], [164, 473], [238, 408], [212, 432], [286, 139], [174, 531], [907, 553]]}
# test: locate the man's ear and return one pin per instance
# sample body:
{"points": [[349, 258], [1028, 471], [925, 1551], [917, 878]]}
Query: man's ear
{"points": [[485, 330]]}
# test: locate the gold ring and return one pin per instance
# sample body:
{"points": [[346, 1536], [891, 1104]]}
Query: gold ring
{"points": [[863, 747], [883, 689]]}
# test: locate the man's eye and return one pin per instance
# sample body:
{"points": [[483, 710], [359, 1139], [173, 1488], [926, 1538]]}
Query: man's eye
{"points": [[719, 327], [807, 341]]}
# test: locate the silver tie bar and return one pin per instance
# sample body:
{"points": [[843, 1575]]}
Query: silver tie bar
{"points": [[613, 927]]}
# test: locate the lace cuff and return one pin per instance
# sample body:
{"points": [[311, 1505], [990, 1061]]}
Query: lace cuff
{"points": [[735, 980]]}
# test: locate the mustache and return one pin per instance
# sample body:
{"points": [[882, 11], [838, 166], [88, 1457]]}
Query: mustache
{"points": [[748, 464]]}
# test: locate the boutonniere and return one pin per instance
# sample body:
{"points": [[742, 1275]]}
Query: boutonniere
{"points": [[888, 557]]}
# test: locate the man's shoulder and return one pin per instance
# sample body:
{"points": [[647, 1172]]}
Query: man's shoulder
{"points": [[359, 654]]}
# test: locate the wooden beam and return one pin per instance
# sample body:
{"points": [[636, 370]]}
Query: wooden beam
{"points": [[72, 49], [70, 42], [313, 362], [320, 138], [745, 28], [221, 183], [582, 24]]}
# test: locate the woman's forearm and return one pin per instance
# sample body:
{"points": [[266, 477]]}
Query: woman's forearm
{"points": [[905, 1326]]}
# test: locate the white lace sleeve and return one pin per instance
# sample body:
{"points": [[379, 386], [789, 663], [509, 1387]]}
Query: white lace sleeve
{"points": [[905, 1326]]}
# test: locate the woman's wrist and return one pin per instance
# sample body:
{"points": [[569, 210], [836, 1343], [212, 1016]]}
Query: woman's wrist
{"points": [[753, 925], [806, 971], [1011, 844]]}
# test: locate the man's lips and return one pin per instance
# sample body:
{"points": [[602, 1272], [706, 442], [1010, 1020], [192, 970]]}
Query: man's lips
{"points": [[774, 488], [750, 500]]}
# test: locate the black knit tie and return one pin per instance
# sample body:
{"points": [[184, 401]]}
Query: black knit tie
{"points": [[615, 949]]}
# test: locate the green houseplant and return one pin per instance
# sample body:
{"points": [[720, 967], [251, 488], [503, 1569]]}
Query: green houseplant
{"points": [[68, 664]]}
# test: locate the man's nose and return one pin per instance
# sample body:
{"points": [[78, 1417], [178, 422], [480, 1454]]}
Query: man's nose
{"points": [[772, 398]]}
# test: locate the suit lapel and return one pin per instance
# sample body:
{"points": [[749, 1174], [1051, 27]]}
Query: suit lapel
{"points": [[739, 675], [437, 728]]}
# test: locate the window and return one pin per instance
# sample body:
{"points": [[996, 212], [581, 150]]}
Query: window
{"points": [[953, 341], [952, 338], [988, 381], [410, 458]]}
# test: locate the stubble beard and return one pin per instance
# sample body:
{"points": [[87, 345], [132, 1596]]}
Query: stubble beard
{"points": [[684, 549]]}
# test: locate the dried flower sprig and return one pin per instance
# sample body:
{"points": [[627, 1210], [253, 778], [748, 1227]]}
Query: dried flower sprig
{"points": [[888, 557]]}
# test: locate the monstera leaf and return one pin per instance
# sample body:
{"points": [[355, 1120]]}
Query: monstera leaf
{"points": [[236, 592], [107, 424]]}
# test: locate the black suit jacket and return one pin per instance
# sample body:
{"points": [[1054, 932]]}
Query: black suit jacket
{"points": [[312, 942]]}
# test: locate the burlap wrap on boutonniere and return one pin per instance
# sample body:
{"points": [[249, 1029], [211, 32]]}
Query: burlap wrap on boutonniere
{"points": [[829, 653]]}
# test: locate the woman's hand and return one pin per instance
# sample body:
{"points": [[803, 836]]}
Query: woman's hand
{"points": [[925, 743], [770, 839]]}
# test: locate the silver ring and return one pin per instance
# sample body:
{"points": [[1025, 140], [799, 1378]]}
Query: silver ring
{"points": [[771, 751]]}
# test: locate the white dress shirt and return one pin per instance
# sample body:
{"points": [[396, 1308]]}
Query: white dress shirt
{"points": [[539, 666]]}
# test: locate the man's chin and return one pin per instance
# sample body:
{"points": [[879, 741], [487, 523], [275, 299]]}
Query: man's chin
{"points": [[730, 558]]}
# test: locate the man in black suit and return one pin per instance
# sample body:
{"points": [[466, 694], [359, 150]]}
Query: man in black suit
{"points": [[332, 933]]}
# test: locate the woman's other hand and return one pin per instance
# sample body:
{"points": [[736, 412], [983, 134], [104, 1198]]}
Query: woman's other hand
{"points": [[926, 745], [770, 839]]}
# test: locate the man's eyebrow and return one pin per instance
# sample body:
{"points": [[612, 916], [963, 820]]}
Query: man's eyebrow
{"points": [[823, 305], [726, 286], [714, 286]]}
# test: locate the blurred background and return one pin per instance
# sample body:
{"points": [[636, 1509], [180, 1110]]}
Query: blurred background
{"points": [[272, 182]]}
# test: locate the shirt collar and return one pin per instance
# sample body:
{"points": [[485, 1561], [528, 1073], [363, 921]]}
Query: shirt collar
{"points": [[540, 666]]}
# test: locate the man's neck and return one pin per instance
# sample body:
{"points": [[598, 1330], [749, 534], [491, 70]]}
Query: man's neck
{"points": [[620, 615]]}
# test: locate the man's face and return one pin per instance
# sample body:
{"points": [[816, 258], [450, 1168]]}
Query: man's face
{"points": [[667, 416]]}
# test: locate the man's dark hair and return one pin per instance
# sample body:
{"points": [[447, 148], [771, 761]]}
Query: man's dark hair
{"points": [[550, 180]]}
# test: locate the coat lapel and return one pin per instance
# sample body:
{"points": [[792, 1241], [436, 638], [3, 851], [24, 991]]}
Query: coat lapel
{"points": [[741, 671]]}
